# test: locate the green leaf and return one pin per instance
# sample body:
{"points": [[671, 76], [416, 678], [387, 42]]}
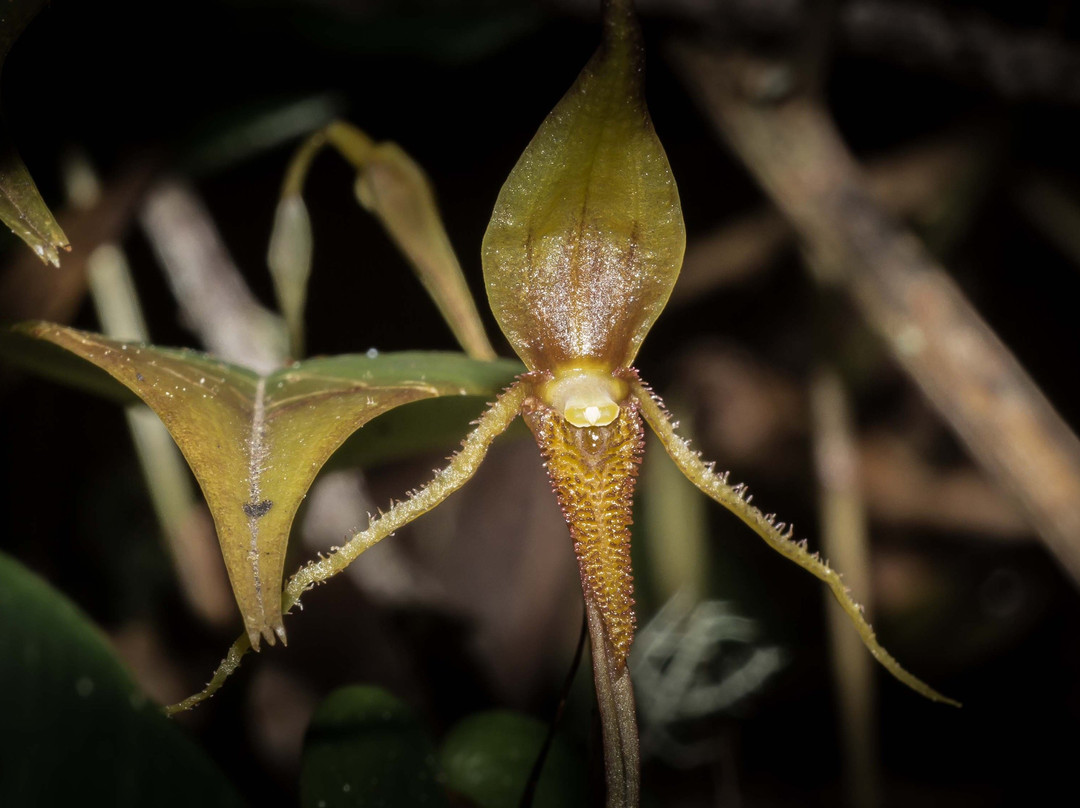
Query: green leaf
{"points": [[23, 210], [431, 425], [19, 349], [428, 425], [21, 206], [488, 758], [76, 730], [674, 529], [587, 236], [255, 443], [366, 748]]}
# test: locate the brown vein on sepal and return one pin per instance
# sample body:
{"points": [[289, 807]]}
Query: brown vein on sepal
{"points": [[593, 471]]}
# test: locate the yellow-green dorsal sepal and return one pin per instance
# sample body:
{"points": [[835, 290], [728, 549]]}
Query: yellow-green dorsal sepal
{"points": [[587, 235]]}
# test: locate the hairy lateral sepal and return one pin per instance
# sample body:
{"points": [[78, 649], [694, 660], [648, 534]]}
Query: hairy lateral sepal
{"points": [[456, 473], [737, 500]]}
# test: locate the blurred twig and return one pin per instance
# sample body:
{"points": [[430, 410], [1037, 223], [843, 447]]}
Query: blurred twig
{"points": [[730, 254], [910, 183], [214, 300], [959, 41], [1015, 63], [753, 415], [931, 328], [845, 542], [902, 488]]}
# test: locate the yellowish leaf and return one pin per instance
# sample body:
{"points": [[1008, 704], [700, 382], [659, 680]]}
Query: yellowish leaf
{"points": [[21, 206], [587, 235], [255, 443]]}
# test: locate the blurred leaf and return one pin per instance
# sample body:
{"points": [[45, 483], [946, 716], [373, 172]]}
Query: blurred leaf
{"points": [[247, 130], [675, 527], [21, 206], [366, 748], [488, 758], [255, 443], [587, 236], [23, 210], [76, 731], [289, 260], [458, 32]]}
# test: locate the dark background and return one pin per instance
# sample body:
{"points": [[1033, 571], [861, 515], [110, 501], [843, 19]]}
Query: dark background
{"points": [[462, 87]]}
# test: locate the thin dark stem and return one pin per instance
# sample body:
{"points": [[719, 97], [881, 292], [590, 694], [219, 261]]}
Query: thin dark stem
{"points": [[541, 758]]}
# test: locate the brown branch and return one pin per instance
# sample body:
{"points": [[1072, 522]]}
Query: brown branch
{"points": [[753, 415], [1015, 62], [932, 330], [215, 302], [902, 488], [845, 541], [911, 183]]}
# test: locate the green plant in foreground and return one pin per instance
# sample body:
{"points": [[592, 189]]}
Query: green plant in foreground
{"points": [[583, 249]]}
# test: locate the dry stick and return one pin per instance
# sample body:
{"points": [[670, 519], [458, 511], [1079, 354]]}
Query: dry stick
{"points": [[908, 183], [447, 480], [845, 539], [903, 488], [736, 498], [731, 253], [214, 299], [900, 486], [933, 331]]}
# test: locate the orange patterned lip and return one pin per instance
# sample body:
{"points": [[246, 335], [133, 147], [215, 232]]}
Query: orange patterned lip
{"points": [[593, 470]]}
